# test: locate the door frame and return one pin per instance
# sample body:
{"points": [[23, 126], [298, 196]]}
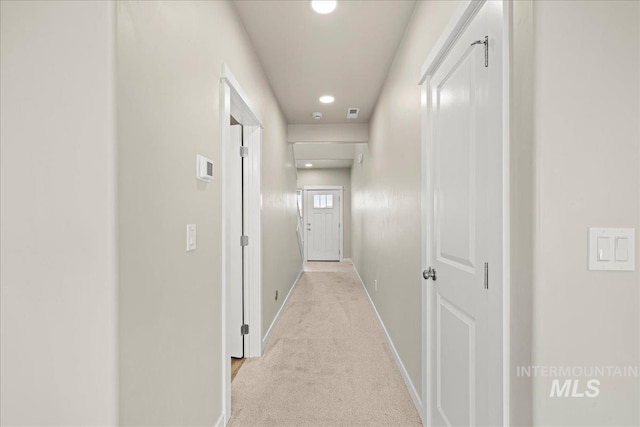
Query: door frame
{"points": [[448, 37], [234, 102], [307, 188]]}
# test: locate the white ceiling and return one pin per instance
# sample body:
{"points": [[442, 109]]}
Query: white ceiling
{"points": [[346, 53]]}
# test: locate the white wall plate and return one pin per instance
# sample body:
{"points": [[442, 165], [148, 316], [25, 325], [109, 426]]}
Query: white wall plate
{"points": [[612, 249]]}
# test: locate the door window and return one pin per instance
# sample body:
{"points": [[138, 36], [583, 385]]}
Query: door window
{"points": [[323, 201]]}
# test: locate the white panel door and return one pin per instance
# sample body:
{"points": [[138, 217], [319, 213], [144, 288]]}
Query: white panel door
{"points": [[465, 200], [322, 211], [235, 309]]}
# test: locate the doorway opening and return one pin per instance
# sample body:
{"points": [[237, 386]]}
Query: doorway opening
{"points": [[241, 129], [236, 364], [323, 210], [236, 316], [465, 243]]}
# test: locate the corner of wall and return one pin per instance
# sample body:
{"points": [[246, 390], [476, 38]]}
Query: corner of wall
{"points": [[522, 199]]}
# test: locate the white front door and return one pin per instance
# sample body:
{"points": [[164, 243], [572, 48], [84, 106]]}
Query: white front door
{"points": [[465, 231], [235, 317], [322, 212]]}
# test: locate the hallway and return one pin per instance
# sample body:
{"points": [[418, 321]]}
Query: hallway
{"points": [[467, 171], [327, 362]]}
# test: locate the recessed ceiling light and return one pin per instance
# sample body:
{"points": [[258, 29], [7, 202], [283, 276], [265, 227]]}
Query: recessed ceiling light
{"points": [[326, 99], [308, 165], [324, 6]]}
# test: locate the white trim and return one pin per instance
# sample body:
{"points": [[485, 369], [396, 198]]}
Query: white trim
{"points": [[323, 187], [265, 340], [447, 39], [233, 101], [225, 108], [246, 112], [253, 253], [305, 212], [403, 371], [426, 255], [221, 421]]}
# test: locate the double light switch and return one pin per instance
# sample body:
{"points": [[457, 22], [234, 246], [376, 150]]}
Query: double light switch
{"points": [[612, 249]]}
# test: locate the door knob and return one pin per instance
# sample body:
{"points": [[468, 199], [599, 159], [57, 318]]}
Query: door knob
{"points": [[429, 273]]}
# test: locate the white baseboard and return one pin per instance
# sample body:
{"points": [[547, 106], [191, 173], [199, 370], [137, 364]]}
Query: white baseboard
{"points": [[265, 340], [417, 401], [220, 422], [347, 260]]}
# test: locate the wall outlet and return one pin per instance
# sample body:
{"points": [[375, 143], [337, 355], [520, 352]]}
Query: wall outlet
{"points": [[375, 283], [276, 295]]}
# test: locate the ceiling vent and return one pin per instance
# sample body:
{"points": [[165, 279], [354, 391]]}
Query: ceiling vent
{"points": [[352, 113], [317, 115]]}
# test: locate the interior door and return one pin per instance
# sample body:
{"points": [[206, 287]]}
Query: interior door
{"points": [[465, 232], [235, 312], [322, 211]]}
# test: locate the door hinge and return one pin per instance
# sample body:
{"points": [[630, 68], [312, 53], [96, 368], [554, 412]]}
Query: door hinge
{"points": [[485, 42], [244, 240], [486, 275], [244, 151], [244, 329]]}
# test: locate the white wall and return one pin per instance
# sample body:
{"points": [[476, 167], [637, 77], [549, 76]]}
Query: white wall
{"points": [[340, 176], [386, 198], [169, 64], [58, 302], [280, 251], [587, 140]]}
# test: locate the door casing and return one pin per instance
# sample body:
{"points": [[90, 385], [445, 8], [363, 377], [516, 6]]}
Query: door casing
{"points": [[234, 102], [307, 188], [500, 316]]}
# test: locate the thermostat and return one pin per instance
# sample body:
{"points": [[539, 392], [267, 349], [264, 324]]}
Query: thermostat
{"points": [[204, 168]]}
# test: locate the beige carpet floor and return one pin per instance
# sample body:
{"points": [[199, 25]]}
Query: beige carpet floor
{"points": [[326, 364]]}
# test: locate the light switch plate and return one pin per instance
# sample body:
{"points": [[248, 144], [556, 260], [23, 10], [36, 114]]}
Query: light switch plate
{"points": [[612, 249], [191, 237]]}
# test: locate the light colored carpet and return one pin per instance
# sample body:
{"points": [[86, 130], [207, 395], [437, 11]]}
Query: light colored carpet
{"points": [[336, 267], [327, 363]]}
